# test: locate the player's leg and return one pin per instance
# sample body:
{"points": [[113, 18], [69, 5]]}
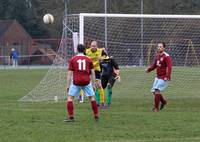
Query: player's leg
{"points": [[108, 94], [155, 92], [16, 62], [70, 109], [97, 95], [89, 92], [101, 94], [159, 85], [110, 84], [99, 87], [163, 102], [159, 98], [163, 85], [13, 62], [94, 107], [104, 82], [81, 97], [156, 100], [73, 91]]}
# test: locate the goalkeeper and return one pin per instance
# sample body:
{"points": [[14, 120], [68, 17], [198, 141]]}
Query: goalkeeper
{"points": [[110, 73], [96, 55]]}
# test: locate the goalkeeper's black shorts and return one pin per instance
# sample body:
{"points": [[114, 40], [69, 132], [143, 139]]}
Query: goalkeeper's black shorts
{"points": [[107, 79]]}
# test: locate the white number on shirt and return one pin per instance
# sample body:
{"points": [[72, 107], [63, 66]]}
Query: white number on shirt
{"points": [[158, 63], [81, 64]]}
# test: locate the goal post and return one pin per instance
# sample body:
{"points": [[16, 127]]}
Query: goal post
{"points": [[130, 46]]}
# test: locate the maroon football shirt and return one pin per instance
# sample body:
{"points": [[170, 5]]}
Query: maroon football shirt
{"points": [[81, 66], [163, 66]]}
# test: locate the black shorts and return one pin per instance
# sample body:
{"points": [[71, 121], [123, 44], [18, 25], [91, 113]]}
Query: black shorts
{"points": [[98, 75], [107, 79]]}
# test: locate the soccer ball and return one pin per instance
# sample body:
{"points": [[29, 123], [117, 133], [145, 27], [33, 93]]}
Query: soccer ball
{"points": [[48, 19]]}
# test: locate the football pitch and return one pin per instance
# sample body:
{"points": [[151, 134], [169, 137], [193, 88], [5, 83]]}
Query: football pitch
{"points": [[130, 118]]}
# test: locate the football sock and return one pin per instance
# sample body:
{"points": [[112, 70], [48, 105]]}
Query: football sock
{"points": [[81, 95], [109, 95], [94, 108], [97, 96], [162, 100], [102, 95], [156, 100], [70, 109]]}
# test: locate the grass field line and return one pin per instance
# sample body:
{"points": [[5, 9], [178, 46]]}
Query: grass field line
{"points": [[156, 140]]}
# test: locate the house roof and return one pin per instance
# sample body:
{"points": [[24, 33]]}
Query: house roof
{"points": [[4, 26]]}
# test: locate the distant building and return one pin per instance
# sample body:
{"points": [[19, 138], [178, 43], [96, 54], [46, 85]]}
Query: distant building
{"points": [[13, 35], [42, 56]]}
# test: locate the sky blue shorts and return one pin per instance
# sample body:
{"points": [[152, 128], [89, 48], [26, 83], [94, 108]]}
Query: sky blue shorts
{"points": [[159, 84], [74, 90]]}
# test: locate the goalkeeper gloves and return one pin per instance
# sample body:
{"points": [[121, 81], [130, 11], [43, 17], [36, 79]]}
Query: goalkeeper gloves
{"points": [[118, 78]]}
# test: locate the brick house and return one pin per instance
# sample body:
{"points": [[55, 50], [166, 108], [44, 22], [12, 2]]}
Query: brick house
{"points": [[13, 35]]}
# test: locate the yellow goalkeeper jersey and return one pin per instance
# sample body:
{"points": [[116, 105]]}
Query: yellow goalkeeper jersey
{"points": [[94, 56]]}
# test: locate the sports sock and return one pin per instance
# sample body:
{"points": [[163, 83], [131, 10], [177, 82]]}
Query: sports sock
{"points": [[102, 95], [162, 100], [81, 96], [97, 96], [94, 108], [70, 108], [156, 100], [109, 95]]}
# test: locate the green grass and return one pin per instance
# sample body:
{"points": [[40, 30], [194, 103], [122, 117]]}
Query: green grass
{"points": [[129, 120]]}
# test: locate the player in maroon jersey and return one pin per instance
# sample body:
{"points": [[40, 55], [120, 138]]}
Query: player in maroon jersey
{"points": [[163, 66], [80, 68]]}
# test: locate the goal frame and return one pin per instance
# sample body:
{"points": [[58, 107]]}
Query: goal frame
{"points": [[83, 15]]}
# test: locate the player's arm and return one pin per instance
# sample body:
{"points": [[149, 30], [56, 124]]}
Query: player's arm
{"points": [[92, 74], [69, 76], [103, 54], [93, 78], [116, 67], [100, 64], [169, 68], [85, 52], [152, 67]]}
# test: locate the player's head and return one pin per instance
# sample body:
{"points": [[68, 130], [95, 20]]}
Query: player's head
{"points": [[161, 47], [94, 46], [12, 49], [81, 48], [105, 56]]}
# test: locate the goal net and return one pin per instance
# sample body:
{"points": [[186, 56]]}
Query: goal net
{"points": [[131, 39]]}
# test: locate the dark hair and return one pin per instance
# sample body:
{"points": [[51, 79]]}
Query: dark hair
{"points": [[163, 43], [81, 48]]}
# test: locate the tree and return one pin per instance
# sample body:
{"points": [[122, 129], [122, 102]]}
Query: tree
{"points": [[29, 13]]}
